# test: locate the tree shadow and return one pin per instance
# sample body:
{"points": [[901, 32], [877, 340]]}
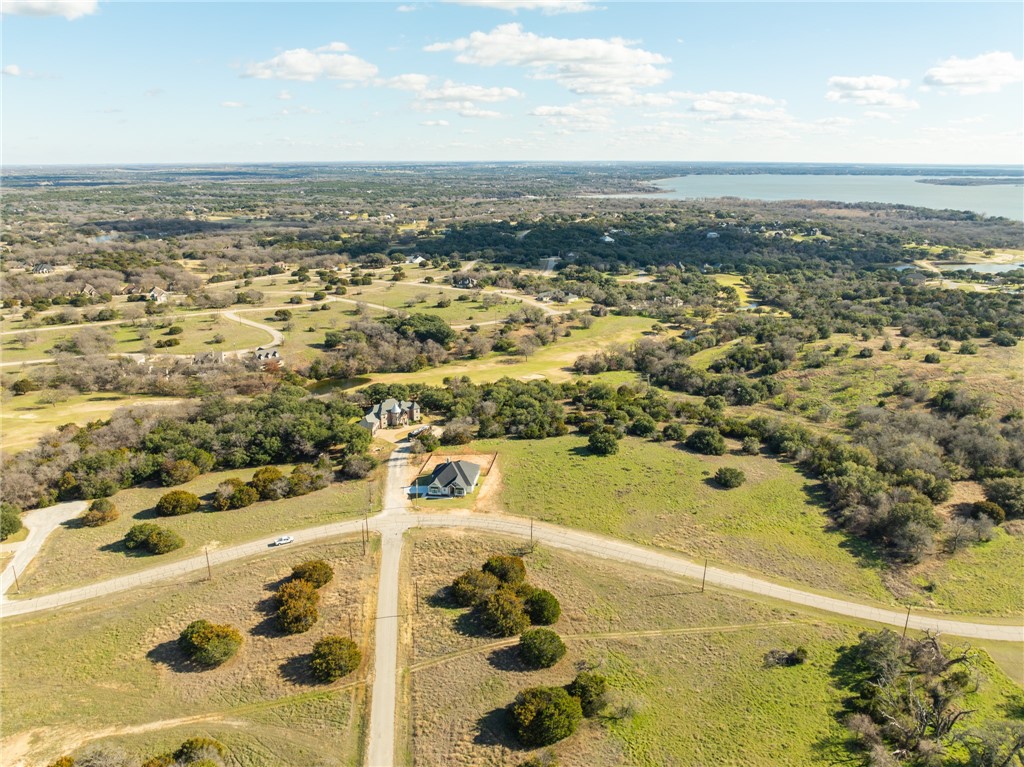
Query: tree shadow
{"points": [[507, 659], [146, 514], [469, 624], [1013, 708], [118, 547], [170, 655], [73, 524], [495, 729], [442, 599], [297, 670]]}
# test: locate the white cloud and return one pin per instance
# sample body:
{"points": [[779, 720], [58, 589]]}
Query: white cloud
{"points": [[232, 104], [575, 117], [870, 91], [406, 8], [548, 7], [721, 106], [987, 73], [303, 110], [452, 96], [883, 116], [69, 9], [590, 66], [435, 123], [329, 61], [284, 95], [12, 70]]}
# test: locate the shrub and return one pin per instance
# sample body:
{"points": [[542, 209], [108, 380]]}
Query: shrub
{"points": [[177, 472], [243, 496], [502, 614], [542, 607], [176, 503], [175, 330], [706, 441], [541, 648], [988, 509], [603, 442], [545, 715], [266, 482], [200, 748], [751, 445], [64, 761], [968, 347], [153, 538], [674, 431], [314, 571], [429, 441], [222, 495], [729, 478], [162, 760], [1002, 338], [297, 611], [358, 466], [10, 520], [592, 691], [932, 358], [1008, 493], [784, 658], [209, 644], [473, 587], [334, 657], [506, 568], [643, 426], [101, 511]]}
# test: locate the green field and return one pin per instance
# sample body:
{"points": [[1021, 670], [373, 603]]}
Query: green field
{"points": [[689, 686], [661, 495], [75, 555], [108, 671], [424, 299]]}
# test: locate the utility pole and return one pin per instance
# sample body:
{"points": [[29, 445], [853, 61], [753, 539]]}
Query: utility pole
{"points": [[416, 584], [350, 627], [906, 624], [209, 570], [705, 578], [531, 534], [17, 585]]}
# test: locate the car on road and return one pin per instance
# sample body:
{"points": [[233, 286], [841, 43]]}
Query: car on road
{"points": [[283, 540], [419, 430]]}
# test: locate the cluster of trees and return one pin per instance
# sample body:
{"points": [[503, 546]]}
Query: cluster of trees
{"points": [[908, 704], [194, 752], [271, 484], [285, 426], [545, 715], [502, 599], [209, 644], [298, 599]]}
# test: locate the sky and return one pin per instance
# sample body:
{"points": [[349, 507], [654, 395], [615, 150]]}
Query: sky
{"points": [[96, 82]]}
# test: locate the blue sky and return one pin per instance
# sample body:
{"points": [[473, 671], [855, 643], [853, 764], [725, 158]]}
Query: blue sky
{"points": [[132, 82]]}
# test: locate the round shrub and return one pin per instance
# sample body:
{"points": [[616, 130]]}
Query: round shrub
{"points": [[542, 606], [64, 761], [541, 648], [751, 445], [243, 496], [674, 431], [334, 657], [101, 511], [161, 760], [932, 358], [545, 715], [603, 442], [315, 571], [503, 615], [175, 330], [298, 602], [706, 441], [592, 691], [176, 503], [178, 472], [194, 749], [265, 482], [988, 509], [643, 426], [10, 520], [162, 541], [473, 587], [209, 644], [1007, 493], [729, 478], [506, 568]]}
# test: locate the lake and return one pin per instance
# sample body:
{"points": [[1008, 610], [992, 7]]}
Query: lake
{"points": [[992, 200]]}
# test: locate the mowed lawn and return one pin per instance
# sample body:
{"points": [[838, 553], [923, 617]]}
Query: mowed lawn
{"points": [[108, 671], [686, 669], [75, 555], [662, 495]]}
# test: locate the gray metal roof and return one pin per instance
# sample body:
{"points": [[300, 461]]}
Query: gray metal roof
{"points": [[459, 473]]}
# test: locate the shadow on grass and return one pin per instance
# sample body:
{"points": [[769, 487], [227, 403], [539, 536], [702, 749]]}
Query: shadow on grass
{"points": [[495, 729], [442, 599], [469, 624], [507, 659], [297, 670], [168, 654], [118, 547]]}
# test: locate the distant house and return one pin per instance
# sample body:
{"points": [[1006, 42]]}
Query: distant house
{"points": [[712, 235], [265, 357], [452, 479], [88, 290], [606, 238], [415, 260], [209, 359], [157, 295], [42, 269], [464, 281], [390, 414]]}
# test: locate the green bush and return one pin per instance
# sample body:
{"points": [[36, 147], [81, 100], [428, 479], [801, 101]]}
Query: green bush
{"points": [[932, 358], [194, 749], [209, 644], [297, 611], [541, 648], [603, 442], [334, 657], [64, 761], [175, 330], [243, 496], [728, 477], [545, 715], [10, 520], [503, 615], [429, 441], [1008, 494], [506, 568], [152, 538], [592, 691], [222, 495], [706, 441], [101, 511], [314, 571], [178, 472], [162, 760], [473, 587], [266, 482], [988, 509], [643, 426], [176, 503], [674, 431], [751, 445], [542, 606]]}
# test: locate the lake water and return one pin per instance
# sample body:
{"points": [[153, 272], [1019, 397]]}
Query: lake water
{"points": [[992, 200]]}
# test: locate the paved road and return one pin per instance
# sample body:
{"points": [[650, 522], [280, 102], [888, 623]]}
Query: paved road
{"points": [[40, 524]]}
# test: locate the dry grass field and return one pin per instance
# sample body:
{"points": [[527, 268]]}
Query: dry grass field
{"points": [[109, 671]]}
